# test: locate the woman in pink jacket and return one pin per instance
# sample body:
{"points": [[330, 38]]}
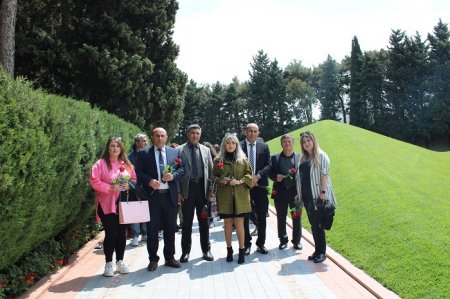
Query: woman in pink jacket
{"points": [[109, 177]]}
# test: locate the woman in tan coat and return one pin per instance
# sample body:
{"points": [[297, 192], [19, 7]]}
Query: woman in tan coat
{"points": [[232, 178]]}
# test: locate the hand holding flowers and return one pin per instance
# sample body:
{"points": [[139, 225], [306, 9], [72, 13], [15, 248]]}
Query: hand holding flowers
{"points": [[120, 182], [168, 171]]}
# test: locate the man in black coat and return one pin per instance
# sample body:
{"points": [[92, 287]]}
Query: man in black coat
{"points": [[259, 157], [151, 169], [283, 171]]}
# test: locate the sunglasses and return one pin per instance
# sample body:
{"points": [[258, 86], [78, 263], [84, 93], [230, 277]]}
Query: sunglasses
{"points": [[306, 133]]}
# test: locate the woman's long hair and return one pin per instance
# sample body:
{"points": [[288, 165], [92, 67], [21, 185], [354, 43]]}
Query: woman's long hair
{"points": [[239, 154], [314, 157], [122, 156]]}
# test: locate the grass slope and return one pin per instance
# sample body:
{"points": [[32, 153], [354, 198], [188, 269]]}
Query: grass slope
{"points": [[393, 213]]}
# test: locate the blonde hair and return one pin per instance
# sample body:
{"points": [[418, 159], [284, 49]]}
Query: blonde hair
{"points": [[239, 154], [314, 157]]}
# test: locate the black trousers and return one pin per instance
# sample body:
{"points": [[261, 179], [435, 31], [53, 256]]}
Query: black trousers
{"points": [[115, 235], [161, 209], [317, 232], [259, 196], [195, 202], [285, 200]]}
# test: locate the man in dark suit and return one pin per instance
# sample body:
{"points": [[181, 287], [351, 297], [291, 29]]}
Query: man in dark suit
{"points": [[151, 170], [194, 189], [259, 157], [283, 171]]}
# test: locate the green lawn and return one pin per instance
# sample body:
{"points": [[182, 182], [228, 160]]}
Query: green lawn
{"points": [[393, 213]]}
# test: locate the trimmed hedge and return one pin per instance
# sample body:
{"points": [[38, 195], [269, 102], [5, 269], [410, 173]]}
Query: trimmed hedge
{"points": [[48, 145]]}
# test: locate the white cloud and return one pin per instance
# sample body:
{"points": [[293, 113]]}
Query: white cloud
{"points": [[219, 38]]}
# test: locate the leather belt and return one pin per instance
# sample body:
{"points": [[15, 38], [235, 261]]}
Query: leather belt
{"points": [[199, 180], [162, 190]]}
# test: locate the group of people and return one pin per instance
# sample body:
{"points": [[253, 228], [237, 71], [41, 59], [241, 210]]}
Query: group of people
{"points": [[188, 175]]}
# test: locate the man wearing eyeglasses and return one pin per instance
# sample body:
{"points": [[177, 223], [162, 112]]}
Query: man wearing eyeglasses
{"points": [[159, 169], [259, 157]]}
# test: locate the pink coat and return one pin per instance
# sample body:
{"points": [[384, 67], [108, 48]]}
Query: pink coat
{"points": [[101, 179]]}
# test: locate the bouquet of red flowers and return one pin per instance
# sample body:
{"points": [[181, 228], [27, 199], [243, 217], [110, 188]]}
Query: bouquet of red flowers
{"points": [[296, 211], [291, 174]]}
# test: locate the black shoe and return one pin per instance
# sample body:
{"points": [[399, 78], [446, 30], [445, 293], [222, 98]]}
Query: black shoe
{"points": [[247, 250], [241, 258], [173, 263], [298, 246], [152, 266], [313, 256], [208, 256], [283, 245], [229, 254], [320, 258], [184, 257], [262, 249]]}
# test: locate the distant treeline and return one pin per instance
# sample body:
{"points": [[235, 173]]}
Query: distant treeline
{"points": [[120, 57]]}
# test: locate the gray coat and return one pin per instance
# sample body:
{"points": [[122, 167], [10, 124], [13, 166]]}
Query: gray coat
{"points": [[186, 160]]}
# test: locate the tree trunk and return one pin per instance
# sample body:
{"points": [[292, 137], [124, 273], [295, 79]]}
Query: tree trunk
{"points": [[8, 10]]}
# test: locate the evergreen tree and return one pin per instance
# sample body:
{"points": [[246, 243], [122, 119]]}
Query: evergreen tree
{"points": [[358, 106], [373, 79], [439, 56], [118, 55], [328, 88], [266, 102]]}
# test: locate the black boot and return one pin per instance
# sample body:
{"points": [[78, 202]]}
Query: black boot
{"points": [[229, 254], [241, 258]]}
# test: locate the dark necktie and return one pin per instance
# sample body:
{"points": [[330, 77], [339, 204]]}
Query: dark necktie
{"points": [[251, 159], [194, 163], [161, 163]]}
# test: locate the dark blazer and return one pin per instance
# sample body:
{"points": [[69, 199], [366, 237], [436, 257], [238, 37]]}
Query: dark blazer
{"points": [[262, 161], [146, 170]]}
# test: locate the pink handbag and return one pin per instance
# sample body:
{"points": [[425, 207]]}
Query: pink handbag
{"points": [[133, 211]]}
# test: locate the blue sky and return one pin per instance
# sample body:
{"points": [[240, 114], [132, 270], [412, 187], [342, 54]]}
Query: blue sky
{"points": [[218, 38]]}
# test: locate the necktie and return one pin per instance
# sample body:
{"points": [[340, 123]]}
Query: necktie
{"points": [[161, 163], [194, 163], [251, 158]]}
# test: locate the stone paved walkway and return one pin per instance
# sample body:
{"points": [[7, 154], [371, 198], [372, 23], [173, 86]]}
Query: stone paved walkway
{"points": [[279, 274]]}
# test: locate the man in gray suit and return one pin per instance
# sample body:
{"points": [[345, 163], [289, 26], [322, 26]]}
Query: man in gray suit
{"points": [[194, 189]]}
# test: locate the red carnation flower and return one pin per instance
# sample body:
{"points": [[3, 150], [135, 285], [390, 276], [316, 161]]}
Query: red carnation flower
{"points": [[293, 170], [122, 167], [177, 161], [220, 165], [204, 215], [274, 192], [30, 278]]}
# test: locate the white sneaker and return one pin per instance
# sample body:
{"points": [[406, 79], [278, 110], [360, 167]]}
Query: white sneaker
{"points": [[122, 267], [109, 269], [144, 238], [135, 241]]}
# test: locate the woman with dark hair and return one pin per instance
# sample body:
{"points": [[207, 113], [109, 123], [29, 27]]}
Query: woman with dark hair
{"points": [[140, 141], [232, 174], [108, 178], [313, 185]]}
